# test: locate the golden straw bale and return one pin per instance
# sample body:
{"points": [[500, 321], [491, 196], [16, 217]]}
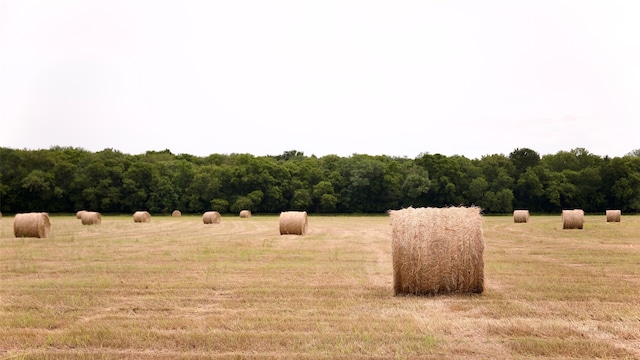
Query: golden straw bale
{"points": [[36, 224], [79, 214], [91, 218], [141, 217], [572, 219], [176, 213], [245, 214], [293, 223], [614, 215], [437, 250], [211, 217], [521, 216]]}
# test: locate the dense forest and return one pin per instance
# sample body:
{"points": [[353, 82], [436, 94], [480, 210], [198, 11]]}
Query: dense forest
{"points": [[63, 179]]}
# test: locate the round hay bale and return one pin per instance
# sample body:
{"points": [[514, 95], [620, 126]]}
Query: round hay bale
{"points": [[521, 216], [79, 214], [572, 219], [437, 250], [614, 215], [91, 218], [293, 222], [176, 213], [211, 217], [141, 217], [36, 224], [245, 214]]}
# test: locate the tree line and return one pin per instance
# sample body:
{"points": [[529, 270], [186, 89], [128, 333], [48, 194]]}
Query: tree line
{"points": [[67, 179]]}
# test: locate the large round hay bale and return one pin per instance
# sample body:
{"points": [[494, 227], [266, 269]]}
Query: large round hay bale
{"points": [[293, 222], [211, 217], [521, 216], [36, 224], [572, 219], [245, 214], [176, 213], [141, 217], [91, 218], [79, 214], [613, 215], [437, 250]]}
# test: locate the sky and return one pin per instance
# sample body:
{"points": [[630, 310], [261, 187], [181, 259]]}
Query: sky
{"points": [[343, 77]]}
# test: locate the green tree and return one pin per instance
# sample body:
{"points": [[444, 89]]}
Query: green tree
{"points": [[523, 159]]}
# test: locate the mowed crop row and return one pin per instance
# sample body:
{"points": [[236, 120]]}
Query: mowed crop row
{"points": [[177, 288]]}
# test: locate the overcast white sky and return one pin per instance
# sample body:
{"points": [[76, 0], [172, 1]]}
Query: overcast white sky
{"points": [[324, 77]]}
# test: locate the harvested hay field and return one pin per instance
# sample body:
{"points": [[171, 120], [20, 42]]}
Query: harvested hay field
{"points": [[180, 290]]}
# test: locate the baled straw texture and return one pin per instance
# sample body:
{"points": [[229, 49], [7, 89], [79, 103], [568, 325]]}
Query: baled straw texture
{"points": [[245, 214], [141, 217], [176, 213], [293, 223], [211, 217], [79, 214], [572, 219], [521, 216], [35, 224], [437, 250], [614, 215], [91, 218]]}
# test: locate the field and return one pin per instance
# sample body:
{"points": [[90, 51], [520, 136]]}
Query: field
{"points": [[178, 289]]}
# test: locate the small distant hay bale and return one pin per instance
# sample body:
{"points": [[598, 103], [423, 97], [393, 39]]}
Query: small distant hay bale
{"points": [[176, 213], [245, 214], [211, 217], [437, 250], [614, 215], [79, 214], [91, 218], [293, 223], [521, 216], [572, 219], [141, 217], [36, 224]]}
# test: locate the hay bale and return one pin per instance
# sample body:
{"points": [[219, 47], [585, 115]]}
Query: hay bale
{"points": [[36, 224], [293, 222], [437, 250], [176, 213], [521, 216], [79, 214], [572, 219], [614, 215], [211, 217], [141, 217], [91, 218], [245, 214]]}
